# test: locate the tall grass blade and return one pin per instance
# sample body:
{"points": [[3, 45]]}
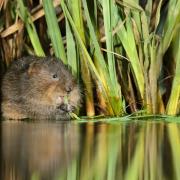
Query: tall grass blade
{"points": [[148, 11], [175, 90], [26, 17], [110, 8], [54, 31], [107, 7], [172, 20], [98, 53], [72, 56]]}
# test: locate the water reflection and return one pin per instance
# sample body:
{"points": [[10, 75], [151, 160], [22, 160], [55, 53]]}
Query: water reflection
{"points": [[71, 150], [41, 150]]}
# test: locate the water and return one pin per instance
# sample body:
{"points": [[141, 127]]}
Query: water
{"points": [[130, 150]]}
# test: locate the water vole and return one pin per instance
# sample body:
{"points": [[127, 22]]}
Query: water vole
{"points": [[39, 87]]}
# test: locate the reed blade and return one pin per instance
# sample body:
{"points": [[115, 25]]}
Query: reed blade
{"points": [[175, 90], [54, 30], [26, 17]]}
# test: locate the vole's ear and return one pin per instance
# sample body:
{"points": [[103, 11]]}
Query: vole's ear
{"points": [[34, 68]]}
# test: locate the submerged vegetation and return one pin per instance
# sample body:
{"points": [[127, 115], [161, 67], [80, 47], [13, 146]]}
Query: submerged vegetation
{"points": [[125, 52]]}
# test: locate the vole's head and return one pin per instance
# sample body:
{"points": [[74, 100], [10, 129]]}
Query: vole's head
{"points": [[54, 84]]}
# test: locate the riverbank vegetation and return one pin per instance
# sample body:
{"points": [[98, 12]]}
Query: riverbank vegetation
{"points": [[125, 53]]}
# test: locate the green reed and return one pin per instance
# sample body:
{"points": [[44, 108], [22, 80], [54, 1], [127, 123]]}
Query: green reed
{"points": [[26, 17], [54, 30]]}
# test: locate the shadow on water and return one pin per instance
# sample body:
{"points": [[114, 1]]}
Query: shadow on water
{"points": [[99, 150]]}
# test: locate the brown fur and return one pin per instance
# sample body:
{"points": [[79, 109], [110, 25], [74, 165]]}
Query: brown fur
{"points": [[30, 89]]}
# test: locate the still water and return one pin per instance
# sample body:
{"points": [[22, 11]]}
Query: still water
{"points": [[112, 150]]}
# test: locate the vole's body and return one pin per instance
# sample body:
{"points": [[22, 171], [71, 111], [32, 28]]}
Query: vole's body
{"points": [[36, 87]]}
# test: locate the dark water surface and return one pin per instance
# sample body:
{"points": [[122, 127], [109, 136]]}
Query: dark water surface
{"points": [[144, 150]]}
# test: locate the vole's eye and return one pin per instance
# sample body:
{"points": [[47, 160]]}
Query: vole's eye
{"points": [[54, 76]]}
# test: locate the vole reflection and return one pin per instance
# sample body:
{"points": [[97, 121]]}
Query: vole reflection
{"points": [[37, 149]]}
